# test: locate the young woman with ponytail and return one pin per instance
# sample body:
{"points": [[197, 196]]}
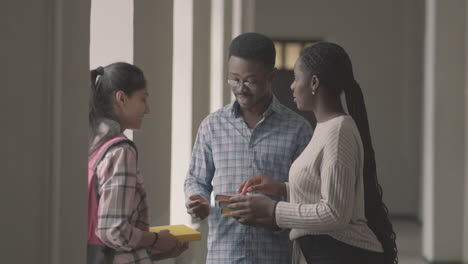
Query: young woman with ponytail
{"points": [[334, 204], [118, 222]]}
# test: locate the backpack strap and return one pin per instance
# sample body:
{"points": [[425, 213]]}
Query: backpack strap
{"points": [[101, 153], [93, 185]]}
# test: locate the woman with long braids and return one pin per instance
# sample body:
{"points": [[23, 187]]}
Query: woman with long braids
{"points": [[334, 204]]}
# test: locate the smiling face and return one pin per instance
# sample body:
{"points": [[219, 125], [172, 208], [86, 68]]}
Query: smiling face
{"points": [[132, 108], [302, 88], [249, 81]]}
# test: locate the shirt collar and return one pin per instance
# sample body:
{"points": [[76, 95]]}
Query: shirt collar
{"points": [[274, 107]]}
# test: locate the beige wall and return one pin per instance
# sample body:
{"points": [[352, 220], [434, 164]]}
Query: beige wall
{"points": [[43, 115], [153, 53], [465, 220], [465, 205], [444, 131], [27, 145], [384, 40]]}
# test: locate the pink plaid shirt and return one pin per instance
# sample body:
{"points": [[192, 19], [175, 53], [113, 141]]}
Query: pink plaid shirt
{"points": [[123, 209]]}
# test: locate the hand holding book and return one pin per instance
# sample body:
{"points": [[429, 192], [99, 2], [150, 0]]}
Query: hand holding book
{"points": [[182, 232], [171, 241]]}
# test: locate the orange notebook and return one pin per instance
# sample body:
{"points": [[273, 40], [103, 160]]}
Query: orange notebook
{"points": [[182, 232]]}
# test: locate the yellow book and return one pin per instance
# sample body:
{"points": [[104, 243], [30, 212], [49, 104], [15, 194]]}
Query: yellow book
{"points": [[182, 232]]}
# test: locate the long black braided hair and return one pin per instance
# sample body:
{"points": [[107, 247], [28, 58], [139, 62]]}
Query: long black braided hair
{"points": [[332, 65]]}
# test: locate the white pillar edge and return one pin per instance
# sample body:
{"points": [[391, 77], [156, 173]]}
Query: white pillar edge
{"points": [[217, 54], [181, 107], [428, 132]]}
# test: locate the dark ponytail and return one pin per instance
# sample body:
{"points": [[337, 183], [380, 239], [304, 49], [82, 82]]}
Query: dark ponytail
{"points": [[94, 109], [105, 82], [376, 210], [332, 65]]}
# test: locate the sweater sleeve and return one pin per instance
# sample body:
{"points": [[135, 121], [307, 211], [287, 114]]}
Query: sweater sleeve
{"points": [[332, 212]]}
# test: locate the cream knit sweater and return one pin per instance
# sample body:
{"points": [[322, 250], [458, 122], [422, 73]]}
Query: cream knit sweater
{"points": [[325, 189]]}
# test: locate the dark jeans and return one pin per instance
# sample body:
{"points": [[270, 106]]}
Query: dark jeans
{"points": [[323, 249]]}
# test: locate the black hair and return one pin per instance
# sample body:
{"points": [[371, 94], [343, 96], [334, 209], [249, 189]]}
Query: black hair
{"points": [[332, 65], [105, 82], [254, 46]]}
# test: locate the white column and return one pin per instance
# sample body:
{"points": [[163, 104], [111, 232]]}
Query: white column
{"points": [[153, 42], [217, 54], [237, 24], [444, 124], [45, 46], [428, 134], [191, 93], [181, 107], [237, 18], [229, 19], [221, 36]]}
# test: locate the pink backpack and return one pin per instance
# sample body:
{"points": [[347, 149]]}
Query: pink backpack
{"points": [[93, 186]]}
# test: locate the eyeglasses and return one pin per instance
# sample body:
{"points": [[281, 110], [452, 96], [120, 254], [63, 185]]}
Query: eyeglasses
{"points": [[236, 84]]}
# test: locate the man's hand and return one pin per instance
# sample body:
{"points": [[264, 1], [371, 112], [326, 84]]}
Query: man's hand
{"points": [[197, 206]]}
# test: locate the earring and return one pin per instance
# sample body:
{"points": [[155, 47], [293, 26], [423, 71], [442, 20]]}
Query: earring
{"points": [[313, 92]]}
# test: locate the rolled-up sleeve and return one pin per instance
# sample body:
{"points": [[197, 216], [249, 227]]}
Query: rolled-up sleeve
{"points": [[118, 186]]}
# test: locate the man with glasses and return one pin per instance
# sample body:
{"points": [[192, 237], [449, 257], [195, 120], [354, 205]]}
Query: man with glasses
{"points": [[253, 135]]}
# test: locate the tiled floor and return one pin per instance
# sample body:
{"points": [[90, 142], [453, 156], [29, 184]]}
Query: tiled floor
{"points": [[408, 241]]}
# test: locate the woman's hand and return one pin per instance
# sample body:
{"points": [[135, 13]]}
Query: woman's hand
{"points": [[165, 243], [254, 209], [175, 252], [263, 184]]}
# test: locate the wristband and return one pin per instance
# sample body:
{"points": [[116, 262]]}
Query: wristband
{"points": [[156, 237]]}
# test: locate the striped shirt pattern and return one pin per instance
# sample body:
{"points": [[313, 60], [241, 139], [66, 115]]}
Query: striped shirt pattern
{"points": [[326, 189], [225, 154], [123, 209]]}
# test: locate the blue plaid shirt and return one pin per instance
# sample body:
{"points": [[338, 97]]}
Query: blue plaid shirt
{"points": [[225, 154]]}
